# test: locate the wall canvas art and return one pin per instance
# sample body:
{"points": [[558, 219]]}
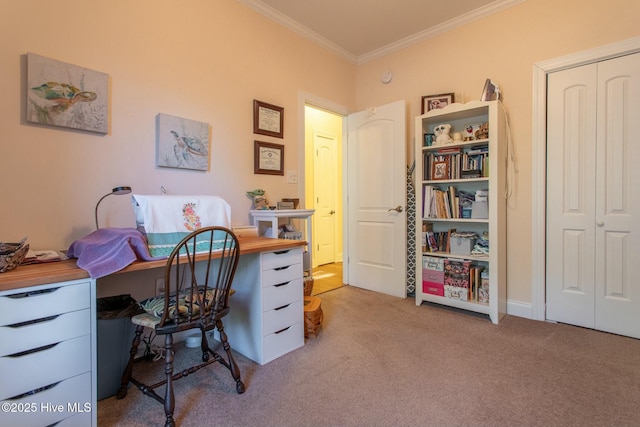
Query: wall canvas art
{"points": [[66, 95], [182, 143]]}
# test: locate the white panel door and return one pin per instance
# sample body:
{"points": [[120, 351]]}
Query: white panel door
{"points": [[593, 203], [571, 184], [324, 184], [377, 222], [617, 303]]}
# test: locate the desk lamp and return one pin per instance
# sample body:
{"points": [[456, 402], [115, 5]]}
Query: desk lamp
{"points": [[118, 191]]}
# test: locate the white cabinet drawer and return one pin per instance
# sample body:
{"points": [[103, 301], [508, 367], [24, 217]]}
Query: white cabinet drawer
{"points": [[42, 368], [69, 400], [282, 317], [281, 258], [281, 275], [19, 338], [25, 306], [281, 294], [282, 342]]}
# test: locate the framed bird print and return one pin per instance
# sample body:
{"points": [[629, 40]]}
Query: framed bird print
{"points": [[66, 95], [182, 143]]}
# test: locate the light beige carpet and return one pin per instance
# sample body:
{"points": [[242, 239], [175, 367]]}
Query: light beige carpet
{"points": [[383, 361]]}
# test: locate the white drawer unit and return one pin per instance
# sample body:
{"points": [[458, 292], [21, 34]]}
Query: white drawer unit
{"points": [[267, 310], [282, 303], [47, 354]]}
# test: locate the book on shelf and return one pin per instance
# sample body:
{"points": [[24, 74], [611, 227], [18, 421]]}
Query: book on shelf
{"points": [[456, 163], [474, 281], [425, 228], [436, 241], [437, 203], [483, 288]]}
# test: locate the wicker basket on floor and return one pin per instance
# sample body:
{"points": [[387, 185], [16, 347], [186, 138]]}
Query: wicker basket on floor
{"points": [[312, 316], [308, 285]]}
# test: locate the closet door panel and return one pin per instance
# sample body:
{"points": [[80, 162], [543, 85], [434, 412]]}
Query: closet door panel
{"points": [[571, 162], [617, 304]]}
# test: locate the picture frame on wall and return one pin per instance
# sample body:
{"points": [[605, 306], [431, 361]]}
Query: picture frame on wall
{"points": [[435, 102], [182, 143], [66, 95], [268, 119], [268, 158]]}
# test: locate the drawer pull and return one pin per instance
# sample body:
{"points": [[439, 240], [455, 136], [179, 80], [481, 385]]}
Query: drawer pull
{"points": [[32, 392], [280, 308], [281, 284], [282, 268], [282, 330], [32, 293], [33, 350], [34, 321], [281, 252]]}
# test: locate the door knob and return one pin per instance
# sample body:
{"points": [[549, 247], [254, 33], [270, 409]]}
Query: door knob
{"points": [[397, 209], [331, 212], [599, 223]]}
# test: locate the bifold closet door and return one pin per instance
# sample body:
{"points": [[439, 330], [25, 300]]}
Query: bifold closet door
{"points": [[593, 202]]}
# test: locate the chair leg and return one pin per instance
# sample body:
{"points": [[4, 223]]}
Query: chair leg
{"points": [[235, 371], [128, 370], [169, 399]]}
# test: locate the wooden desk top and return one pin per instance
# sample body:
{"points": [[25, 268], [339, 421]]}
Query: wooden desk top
{"points": [[61, 271]]}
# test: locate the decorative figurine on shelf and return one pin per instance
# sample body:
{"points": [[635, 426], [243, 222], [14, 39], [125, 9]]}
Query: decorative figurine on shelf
{"points": [[442, 133], [259, 199], [483, 131], [468, 133]]}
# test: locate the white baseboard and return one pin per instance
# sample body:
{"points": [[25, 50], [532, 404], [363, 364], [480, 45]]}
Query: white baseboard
{"points": [[520, 309]]}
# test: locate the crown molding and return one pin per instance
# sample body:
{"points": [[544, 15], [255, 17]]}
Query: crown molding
{"points": [[449, 25], [296, 27]]}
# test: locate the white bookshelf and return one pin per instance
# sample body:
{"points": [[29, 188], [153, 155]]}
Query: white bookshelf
{"points": [[492, 178]]}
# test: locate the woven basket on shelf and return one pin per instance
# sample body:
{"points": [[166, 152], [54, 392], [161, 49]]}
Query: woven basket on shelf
{"points": [[312, 316], [308, 285], [12, 254]]}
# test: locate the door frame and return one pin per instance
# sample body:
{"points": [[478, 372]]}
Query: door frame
{"points": [[539, 156], [306, 98]]}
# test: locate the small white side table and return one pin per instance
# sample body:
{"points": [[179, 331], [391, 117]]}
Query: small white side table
{"points": [[273, 216]]}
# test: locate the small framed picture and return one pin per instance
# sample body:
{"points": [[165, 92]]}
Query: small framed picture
{"points": [[268, 119], [435, 102], [268, 158], [439, 170]]}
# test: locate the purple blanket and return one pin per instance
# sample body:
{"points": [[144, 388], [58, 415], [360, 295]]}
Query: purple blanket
{"points": [[108, 250]]}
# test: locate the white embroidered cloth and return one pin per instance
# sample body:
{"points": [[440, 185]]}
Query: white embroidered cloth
{"points": [[168, 219]]}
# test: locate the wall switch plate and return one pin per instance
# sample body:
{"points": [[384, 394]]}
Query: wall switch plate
{"points": [[292, 177]]}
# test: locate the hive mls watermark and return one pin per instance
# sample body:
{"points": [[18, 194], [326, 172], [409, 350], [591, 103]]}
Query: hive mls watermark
{"points": [[46, 407]]}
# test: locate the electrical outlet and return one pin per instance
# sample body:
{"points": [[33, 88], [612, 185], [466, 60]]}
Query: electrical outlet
{"points": [[159, 286]]}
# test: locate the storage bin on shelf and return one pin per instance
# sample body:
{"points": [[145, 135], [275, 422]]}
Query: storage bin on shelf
{"points": [[462, 243], [433, 275], [456, 279]]}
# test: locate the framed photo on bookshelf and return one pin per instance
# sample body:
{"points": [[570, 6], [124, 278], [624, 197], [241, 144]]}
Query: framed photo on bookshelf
{"points": [[440, 170], [435, 102]]}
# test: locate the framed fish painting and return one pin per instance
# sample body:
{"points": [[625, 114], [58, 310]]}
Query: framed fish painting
{"points": [[66, 95], [182, 143]]}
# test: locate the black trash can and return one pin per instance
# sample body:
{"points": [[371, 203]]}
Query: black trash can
{"points": [[115, 333]]}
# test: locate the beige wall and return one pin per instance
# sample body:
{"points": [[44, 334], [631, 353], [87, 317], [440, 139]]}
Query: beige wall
{"points": [[202, 60], [209, 60], [503, 47]]}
